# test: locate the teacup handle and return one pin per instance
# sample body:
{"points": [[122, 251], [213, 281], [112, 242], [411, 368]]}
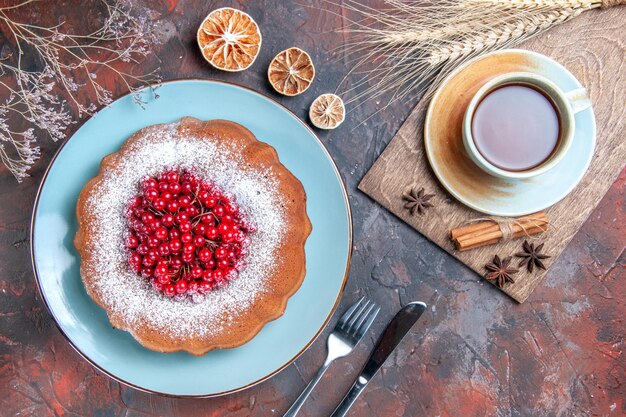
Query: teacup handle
{"points": [[578, 99]]}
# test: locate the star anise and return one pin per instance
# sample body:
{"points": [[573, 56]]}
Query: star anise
{"points": [[417, 201], [500, 271], [531, 256]]}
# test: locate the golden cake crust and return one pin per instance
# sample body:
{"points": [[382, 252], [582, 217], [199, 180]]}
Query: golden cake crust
{"points": [[289, 268]]}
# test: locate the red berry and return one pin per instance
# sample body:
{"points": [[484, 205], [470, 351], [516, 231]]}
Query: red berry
{"points": [[211, 233], [169, 290], [149, 183], [175, 188], [186, 187], [210, 202], [203, 195], [153, 254], [205, 287], [135, 202], [171, 177], [218, 275], [205, 254], [135, 259], [191, 211], [211, 264], [167, 220], [184, 201], [193, 287], [239, 236], [163, 279], [200, 229], [182, 217], [221, 252], [181, 286], [147, 217], [196, 272], [164, 249], [151, 194], [199, 241], [186, 237], [208, 219], [207, 275], [155, 225], [175, 246], [231, 208], [223, 228], [174, 234], [137, 225], [185, 227], [142, 249], [164, 186], [189, 247], [159, 204], [172, 206], [219, 211], [132, 241], [161, 233], [188, 257], [176, 262], [160, 270]]}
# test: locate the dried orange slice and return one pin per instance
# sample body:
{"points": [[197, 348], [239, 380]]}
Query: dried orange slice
{"points": [[291, 72], [327, 111], [229, 39]]}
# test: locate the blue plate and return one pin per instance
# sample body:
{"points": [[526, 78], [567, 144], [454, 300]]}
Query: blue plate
{"points": [[115, 352]]}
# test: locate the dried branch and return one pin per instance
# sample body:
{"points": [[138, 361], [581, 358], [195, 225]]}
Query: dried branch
{"points": [[66, 61]]}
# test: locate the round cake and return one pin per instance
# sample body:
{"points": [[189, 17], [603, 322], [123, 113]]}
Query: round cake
{"points": [[191, 236]]}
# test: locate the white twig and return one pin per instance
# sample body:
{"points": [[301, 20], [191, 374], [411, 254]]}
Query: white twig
{"points": [[70, 62]]}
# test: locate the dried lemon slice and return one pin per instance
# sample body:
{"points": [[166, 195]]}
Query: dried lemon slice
{"points": [[291, 72], [327, 111], [229, 39]]}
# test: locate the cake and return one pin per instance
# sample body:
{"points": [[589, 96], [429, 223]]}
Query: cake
{"points": [[191, 236]]}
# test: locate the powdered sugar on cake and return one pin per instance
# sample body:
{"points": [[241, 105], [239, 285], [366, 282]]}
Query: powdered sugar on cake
{"points": [[129, 296]]}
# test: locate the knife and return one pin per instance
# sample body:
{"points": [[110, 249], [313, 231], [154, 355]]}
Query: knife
{"points": [[397, 328]]}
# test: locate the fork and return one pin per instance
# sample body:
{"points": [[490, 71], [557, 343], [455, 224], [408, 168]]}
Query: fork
{"points": [[347, 333]]}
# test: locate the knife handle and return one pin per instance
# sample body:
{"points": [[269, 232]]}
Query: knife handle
{"points": [[350, 398]]}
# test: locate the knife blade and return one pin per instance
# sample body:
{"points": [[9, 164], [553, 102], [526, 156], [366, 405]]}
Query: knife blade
{"points": [[395, 331]]}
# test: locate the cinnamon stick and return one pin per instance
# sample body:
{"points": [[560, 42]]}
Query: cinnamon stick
{"points": [[539, 217], [490, 232]]}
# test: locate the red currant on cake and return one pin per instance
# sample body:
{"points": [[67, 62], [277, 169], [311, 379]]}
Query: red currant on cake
{"points": [[177, 213]]}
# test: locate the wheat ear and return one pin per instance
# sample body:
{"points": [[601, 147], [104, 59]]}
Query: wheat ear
{"points": [[407, 48]]}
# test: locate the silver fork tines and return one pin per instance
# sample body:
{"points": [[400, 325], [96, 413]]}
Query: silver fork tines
{"points": [[348, 331]]}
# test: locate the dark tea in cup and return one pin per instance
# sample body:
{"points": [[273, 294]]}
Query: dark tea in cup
{"points": [[516, 127]]}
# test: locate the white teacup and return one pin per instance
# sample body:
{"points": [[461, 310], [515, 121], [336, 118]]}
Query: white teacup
{"points": [[566, 105]]}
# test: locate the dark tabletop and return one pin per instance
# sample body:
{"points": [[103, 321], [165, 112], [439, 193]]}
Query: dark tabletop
{"points": [[476, 353]]}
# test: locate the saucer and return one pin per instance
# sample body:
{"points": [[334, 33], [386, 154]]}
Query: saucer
{"points": [[466, 181]]}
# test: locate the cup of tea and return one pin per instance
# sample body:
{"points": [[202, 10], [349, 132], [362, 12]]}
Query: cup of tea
{"points": [[519, 125]]}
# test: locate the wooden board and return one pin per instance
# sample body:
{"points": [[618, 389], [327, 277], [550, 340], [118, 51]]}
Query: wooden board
{"points": [[592, 47]]}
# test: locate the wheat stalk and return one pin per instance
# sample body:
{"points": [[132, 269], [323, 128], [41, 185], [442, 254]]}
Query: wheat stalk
{"points": [[407, 48]]}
